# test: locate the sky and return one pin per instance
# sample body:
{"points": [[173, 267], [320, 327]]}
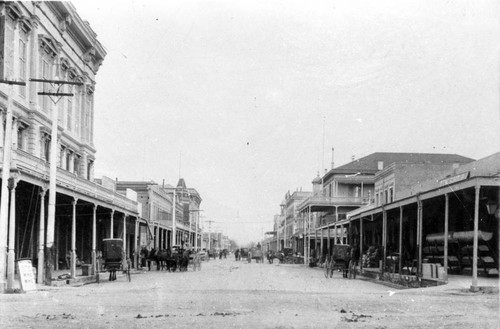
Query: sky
{"points": [[246, 99]]}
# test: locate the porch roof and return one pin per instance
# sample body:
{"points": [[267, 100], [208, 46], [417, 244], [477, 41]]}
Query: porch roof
{"points": [[493, 181]]}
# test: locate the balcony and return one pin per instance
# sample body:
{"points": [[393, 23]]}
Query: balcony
{"points": [[67, 182], [325, 203]]}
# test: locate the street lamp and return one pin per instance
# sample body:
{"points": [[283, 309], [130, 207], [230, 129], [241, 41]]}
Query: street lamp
{"points": [[491, 207]]}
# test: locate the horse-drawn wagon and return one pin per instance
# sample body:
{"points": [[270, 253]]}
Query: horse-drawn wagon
{"points": [[175, 259], [340, 259], [256, 254], [114, 258]]}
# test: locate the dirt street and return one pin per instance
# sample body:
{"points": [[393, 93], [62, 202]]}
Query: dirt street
{"points": [[230, 294]]}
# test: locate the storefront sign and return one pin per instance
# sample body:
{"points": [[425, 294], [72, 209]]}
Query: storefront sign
{"points": [[454, 179], [26, 276]]}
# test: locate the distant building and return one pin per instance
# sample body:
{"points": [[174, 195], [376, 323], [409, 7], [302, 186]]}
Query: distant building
{"points": [[188, 213]]}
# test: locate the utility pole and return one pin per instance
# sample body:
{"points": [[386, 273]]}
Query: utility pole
{"points": [[174, 228], [4, 203], [49, 246]]}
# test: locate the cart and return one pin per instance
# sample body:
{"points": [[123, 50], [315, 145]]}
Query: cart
{"points": [[114, 258], [338, 260]]}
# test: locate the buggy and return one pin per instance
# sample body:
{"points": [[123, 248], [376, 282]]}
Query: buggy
{"points": [[339, 259], [256, 254], [114, 258]]}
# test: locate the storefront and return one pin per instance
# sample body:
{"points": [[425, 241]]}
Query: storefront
{"points": [[445, 226]]}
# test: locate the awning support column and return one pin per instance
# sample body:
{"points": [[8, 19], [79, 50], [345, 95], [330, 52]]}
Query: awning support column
{"points": [[73, 240], [474, 286], [328, 241], [419, 236], [361, 244], [111, 231], [400, 239], [94, 240], [11, 255], [41, 238], [384, 238], [446, 220]]}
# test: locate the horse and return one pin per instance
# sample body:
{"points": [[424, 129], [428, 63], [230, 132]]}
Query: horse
{"points": [[162, 258], [182, 259]]}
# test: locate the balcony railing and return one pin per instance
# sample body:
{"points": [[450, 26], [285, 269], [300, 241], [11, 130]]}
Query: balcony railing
{"points": [[320, 200], [38, 168]]}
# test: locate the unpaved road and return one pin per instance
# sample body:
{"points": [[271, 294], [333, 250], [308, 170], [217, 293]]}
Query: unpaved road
{"points": [[229, 294]]}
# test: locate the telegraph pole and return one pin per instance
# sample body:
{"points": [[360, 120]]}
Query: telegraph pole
{"points": [[4, 203], [49, 246], [174, 228]]}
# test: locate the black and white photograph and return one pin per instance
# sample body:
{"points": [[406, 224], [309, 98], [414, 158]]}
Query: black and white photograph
{"points": [[250, 164]]}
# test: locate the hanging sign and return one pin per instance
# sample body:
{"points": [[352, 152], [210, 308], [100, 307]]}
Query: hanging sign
{"points": [[26, 275]]}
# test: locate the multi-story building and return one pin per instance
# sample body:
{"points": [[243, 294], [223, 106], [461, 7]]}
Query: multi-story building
{"points": [[49, 41], [155, 226], [187, 220], [431, 215], [157, 211], [350, 186], [293, 224]]}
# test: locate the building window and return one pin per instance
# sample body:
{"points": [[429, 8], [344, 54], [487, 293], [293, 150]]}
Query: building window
{"points": [[62, 157], [45, 74], [8, 45], [69, 119], [22, 65], [46, 148], [69, 155], [21, 131], [76, 165], [89, 169]]}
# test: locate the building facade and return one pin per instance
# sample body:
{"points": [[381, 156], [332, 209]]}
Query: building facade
{"points": [[49, 41], [443, 219], [157, 203], [350, 186]]}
